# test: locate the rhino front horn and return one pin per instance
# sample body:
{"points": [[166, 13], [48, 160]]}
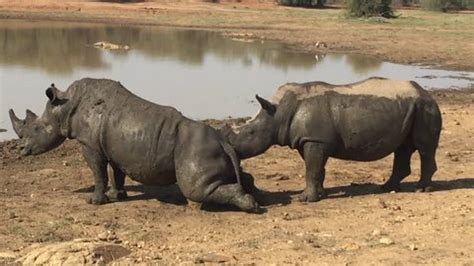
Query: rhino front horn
{"points": [[16, 122]]}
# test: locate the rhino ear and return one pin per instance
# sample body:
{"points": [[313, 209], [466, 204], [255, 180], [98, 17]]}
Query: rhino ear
{"points": [[30, 116], [266, 105], [54, 95]]}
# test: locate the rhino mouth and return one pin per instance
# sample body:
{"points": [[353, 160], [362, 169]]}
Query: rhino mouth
{"points": [[26, 151]]}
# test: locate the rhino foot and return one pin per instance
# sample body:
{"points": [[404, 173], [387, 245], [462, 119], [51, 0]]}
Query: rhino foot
{"points": [[116, 195], [247, 203], [425, 189], [307, 196], [388, 186], [98, 199]]}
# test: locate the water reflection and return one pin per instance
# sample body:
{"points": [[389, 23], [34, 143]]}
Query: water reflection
{"points": [[203, 74], [363, 64], [61, 50]]}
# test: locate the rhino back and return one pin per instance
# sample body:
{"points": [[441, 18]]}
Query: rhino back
{"points": [[375, 86]]}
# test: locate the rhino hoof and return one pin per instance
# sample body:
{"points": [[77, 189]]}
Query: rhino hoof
{"points": [[387, 187], [98, 200], [308, 197], [425, 189], [116, 195], [247, 203]]}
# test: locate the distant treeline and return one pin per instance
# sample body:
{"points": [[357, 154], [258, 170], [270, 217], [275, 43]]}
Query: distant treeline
{"points": [[371, 7]]}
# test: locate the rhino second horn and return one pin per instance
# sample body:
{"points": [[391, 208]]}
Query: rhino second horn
{"points": [[30, 116]]}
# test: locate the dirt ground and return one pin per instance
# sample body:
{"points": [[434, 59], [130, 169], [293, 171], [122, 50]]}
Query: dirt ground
{"points": [[415, 37], [42, 200]]}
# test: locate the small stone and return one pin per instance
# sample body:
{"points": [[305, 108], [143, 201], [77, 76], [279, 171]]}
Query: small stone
{"points": [[386, 241], [393, 192], [11, 215], [413, 247], [7, 255], [212, 258], [382, 203], [376, 232], [141, 244], [290, 242], [103, 236], [351, 247], [65, 163]]}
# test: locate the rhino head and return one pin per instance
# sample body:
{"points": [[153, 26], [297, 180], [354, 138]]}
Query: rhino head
{"points": [[257, 134], [41, 134]]}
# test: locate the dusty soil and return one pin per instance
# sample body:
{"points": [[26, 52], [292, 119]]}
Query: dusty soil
{"points": [[42, 200], [416, 37]]}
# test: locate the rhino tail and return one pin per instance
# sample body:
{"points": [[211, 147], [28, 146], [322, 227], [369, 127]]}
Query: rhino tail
{"points": [[409, 117], [233, 157]]}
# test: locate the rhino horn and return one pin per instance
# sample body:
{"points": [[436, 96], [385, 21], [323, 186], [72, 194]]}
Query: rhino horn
{"points": [[17, 123], [30, 116]]}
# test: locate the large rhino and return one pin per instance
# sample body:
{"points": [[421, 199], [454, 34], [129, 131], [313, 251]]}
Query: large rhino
{"points": [[150, 143], [363, 121]]}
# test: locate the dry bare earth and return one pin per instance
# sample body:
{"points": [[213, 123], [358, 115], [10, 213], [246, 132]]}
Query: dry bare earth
{"points": [[42, 201]]}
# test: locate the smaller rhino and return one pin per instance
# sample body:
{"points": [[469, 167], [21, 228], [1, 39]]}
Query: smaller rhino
{"points": [[362, 121], [150, 143]]}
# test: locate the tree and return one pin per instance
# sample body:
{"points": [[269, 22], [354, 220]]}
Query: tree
{"points": [[369, 8], [302, 3]]}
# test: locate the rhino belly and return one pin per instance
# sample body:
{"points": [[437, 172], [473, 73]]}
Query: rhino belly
{"points": [[144, 154], [371, 129], [156, 177]]}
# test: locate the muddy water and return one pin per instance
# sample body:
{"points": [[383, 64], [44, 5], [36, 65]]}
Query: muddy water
{"points": [[203, 74]]}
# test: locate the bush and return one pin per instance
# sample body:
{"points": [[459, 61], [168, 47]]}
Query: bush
{"points": [[445, 5], [302, 3], [368, 8]]}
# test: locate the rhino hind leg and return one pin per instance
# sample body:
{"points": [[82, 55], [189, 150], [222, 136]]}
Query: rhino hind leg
{"points": [[248, 184], [426, 132], [428, 168], [233, 194], [401, 168], [117, 189]]}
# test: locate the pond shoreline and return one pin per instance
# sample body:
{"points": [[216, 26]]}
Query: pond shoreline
{"points": [[392, 41]]}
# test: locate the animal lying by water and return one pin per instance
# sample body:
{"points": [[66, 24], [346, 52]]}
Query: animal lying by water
{"points": [[150, 143], [111, 46], [363, 121]]}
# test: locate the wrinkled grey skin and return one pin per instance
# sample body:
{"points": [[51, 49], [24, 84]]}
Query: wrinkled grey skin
{"points": [[150, 143], [348, 127]]}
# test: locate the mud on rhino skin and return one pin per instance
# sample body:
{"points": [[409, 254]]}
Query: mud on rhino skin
{"points": [[363, 121], [150, 143]]}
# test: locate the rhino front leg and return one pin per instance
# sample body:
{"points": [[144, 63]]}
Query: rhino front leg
{"points": [[117, 185], [315, 158], [98, 164]]}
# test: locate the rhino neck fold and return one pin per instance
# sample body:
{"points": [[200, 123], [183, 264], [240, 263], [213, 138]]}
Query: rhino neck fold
{"points": [[65, 121], [286, 110]]}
